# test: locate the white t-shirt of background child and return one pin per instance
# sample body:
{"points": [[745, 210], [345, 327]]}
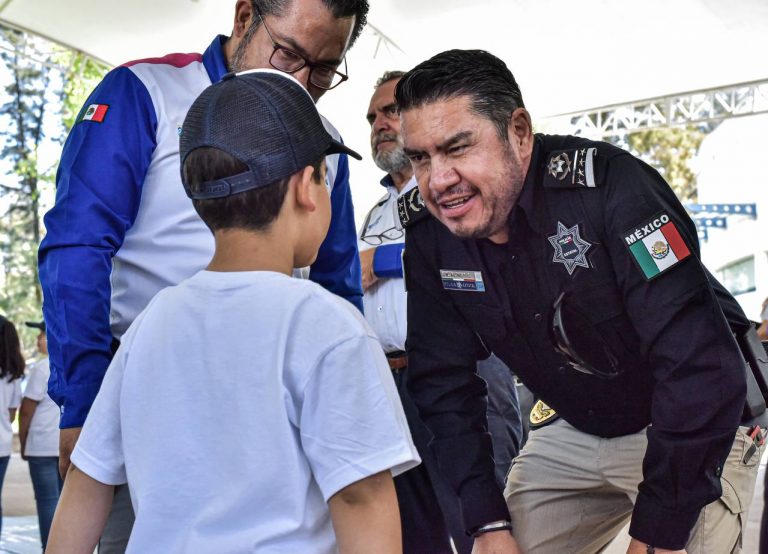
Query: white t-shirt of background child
{"points": [[237, 405], [43, 436], [10, 397]]}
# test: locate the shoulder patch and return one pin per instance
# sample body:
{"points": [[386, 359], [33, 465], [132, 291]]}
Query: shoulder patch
{"points": [[541, 415], [95, 113], [656, 245], [411, 208], [573, 168]]}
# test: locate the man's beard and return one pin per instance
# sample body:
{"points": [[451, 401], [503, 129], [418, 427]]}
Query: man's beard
{"points": [[238, 57], [390, 161]]}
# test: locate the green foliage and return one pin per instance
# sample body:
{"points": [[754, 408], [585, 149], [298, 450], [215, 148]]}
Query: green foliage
{"points": [[44, 86], [669, 150]]}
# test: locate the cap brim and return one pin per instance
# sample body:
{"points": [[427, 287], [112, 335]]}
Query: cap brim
{"points": [[35, 325], [337, 148]]}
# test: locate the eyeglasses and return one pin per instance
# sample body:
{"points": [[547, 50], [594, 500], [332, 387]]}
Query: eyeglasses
{"points": [[393, 233], [603, 362], [286, 60]]}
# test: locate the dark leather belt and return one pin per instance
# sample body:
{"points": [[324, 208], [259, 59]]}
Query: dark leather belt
{"points": [[397, 360]]}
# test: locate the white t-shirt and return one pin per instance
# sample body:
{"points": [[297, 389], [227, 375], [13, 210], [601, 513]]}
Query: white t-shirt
{"points": [[43, 437], [10, 397], [237, 405]]}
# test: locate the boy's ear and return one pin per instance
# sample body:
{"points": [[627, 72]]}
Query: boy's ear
{"points": [[306, 189]]}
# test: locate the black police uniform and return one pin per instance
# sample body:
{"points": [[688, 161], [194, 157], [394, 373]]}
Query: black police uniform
{"points": [[583, 206]]}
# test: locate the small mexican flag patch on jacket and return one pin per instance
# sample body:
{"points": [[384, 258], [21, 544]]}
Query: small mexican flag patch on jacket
{"points": [[656, 246], [95, 112]]}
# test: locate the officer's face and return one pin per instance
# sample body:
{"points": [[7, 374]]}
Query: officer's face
{"points": [[469, 178], [307, 27], [384, 118]]}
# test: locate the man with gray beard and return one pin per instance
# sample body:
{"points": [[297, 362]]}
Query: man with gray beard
{"points": [[429, 509]]}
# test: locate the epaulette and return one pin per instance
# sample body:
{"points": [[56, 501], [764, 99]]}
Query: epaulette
{"points": [[575, 168], [411, 208]]}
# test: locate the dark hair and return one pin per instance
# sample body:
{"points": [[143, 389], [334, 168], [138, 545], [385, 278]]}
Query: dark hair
{"points": [[474, 73], [339, 8], [253, 210], [11, 361], [387, 77]]}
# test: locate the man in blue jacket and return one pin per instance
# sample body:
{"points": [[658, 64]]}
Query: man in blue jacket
{"points": [[122, 228]]}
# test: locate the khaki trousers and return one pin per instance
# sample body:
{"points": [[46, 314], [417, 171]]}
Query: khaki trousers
{"points": [[569, 492]]}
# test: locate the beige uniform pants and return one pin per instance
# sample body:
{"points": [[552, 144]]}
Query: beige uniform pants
{"points": [[569, 492]]}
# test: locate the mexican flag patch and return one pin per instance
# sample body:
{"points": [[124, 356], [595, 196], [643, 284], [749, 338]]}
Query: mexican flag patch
{"points": [[656, 246], [95, 112]]}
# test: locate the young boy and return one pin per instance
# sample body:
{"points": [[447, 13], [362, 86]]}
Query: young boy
{"points": [[242, 400]]}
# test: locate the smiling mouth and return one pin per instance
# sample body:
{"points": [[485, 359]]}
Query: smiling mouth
{"points": [[456, 202]]}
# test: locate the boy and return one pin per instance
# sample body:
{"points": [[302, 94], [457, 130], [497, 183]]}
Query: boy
{"points": [[242, 400]]}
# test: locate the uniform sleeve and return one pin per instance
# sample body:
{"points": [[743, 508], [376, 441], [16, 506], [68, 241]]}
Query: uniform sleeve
{"points": [[352, 428], [337, 267], [99, 449], [700, 382], [37, 384], [16, 395], [98, 189], [451, 397], [388, 261]]}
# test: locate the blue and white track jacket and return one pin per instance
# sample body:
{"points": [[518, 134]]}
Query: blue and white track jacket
{"points": [[122, 228]]}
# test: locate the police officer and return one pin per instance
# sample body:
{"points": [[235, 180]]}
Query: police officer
{"points": [[429, 509], [575, 264]]}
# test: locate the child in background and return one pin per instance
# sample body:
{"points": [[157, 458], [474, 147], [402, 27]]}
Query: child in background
{"points": [[247, 411], [39, 436], [11, 371]]}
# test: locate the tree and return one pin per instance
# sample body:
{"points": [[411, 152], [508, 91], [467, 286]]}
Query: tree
{"points": [[44, 84], [669, 150]]}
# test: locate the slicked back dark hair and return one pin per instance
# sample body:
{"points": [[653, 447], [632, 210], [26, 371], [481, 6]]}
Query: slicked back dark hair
{"points": [[252, 210], [474, 73], [339, 8], [387, 77]]}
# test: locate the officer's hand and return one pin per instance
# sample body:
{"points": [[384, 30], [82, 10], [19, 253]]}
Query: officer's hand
{"points": [[67, 440], [497, 542], [366, 263], [637, 547]]}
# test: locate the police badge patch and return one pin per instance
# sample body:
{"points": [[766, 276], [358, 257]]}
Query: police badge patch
{"points": [[570, 248], [541, 415]]}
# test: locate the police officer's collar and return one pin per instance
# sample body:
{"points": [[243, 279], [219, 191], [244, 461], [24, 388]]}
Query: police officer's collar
{"points": [[526, 202]]}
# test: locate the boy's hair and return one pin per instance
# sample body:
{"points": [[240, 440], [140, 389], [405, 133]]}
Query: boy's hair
{"points": [[252, 210]]}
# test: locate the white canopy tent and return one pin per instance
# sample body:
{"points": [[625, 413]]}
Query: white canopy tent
{"points": [[566, 55]]}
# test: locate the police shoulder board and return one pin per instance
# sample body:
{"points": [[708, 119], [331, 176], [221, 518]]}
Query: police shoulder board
{"points": [[541, 415], [411, 208], [582, 167]]}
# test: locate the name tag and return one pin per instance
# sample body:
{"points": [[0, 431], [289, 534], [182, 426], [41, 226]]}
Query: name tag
{"points": [[462, 280]]}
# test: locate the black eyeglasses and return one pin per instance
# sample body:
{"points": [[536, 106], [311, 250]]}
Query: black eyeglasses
{"points": [[286, 60], [393, 233], [603, 362]]}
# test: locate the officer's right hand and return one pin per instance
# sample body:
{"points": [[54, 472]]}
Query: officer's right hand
{"points": [[497, 542], [67, 440]]}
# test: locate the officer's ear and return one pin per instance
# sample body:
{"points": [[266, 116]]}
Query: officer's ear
{"points": [[520, 131], [243, 16]]}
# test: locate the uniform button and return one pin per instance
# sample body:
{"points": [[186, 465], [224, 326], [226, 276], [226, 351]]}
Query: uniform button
{"points": [[512, 258], [591, 413], [718, 471], [381, 308], [561, 369], [538, 317]]}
